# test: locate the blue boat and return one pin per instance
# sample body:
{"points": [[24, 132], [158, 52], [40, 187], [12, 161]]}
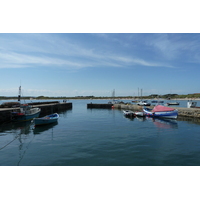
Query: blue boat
{"points": [[161, 111], [26, 113], [48, 119]]}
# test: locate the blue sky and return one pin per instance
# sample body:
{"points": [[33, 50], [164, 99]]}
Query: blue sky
{"points": [[83, 64]]}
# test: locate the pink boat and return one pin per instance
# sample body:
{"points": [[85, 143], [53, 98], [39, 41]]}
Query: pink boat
{"points": [[161, 111]]}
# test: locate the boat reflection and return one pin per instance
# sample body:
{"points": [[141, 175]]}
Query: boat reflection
{"points": [[141, 119], [41, 129], [165, 123], [23, 127]]}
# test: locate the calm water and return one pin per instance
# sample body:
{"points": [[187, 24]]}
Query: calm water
{"points": [[101, 137]]}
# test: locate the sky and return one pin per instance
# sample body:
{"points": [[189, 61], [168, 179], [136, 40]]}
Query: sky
{"points": [[84, 64]]}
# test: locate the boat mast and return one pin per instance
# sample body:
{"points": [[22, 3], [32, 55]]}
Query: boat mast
{"points": [[19, 96]]}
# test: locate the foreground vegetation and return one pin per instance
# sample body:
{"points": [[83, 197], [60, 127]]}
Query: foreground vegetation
{"points": [[153, 96]]}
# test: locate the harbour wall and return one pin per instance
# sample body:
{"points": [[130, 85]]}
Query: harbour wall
{"points": [[5, 113], [95, 105], [184, 112]]}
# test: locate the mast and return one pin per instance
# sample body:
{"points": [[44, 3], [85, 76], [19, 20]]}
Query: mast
{"points": [[19, 96], [113, 94]]}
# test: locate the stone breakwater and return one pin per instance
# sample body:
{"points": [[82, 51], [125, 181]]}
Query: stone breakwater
{"points": [[185, 112], [47, 108]]}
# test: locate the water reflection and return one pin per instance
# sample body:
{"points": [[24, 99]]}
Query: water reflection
{"points": [[40, 129], [141, 119], [23, 127], [20, 135], [189, 120], [165, 123]]}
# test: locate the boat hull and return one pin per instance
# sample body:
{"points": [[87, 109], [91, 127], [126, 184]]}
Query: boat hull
{"points": [[173, 104], [49, 119], [128, 113], [25, 117], [165, 114]]}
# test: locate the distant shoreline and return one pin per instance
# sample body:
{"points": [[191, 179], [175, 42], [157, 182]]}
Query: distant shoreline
{"points": [[109, 99]]}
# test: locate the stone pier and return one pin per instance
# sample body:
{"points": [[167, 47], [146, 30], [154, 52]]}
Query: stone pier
{"points": [[185, 112]]}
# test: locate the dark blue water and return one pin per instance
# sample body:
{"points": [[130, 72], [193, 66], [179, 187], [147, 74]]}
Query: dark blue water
{"points": [[101, 137]]}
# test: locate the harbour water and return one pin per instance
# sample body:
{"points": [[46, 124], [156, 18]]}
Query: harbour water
{"points": [[101, 137]]}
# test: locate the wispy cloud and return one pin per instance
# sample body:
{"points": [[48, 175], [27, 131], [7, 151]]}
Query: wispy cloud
{"points": [[32, 50], [174, 46]]}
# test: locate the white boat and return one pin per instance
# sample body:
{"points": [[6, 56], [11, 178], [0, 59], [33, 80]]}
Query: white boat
{"points": [[161, 111], [143, 103], [192, 104], [129, 113], [48, 119], [172, 103]]}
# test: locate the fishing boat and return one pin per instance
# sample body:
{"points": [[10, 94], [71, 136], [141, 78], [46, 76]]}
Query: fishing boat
{"points": [[26, 113], [48, 119], [161, 111], [128, 113]]}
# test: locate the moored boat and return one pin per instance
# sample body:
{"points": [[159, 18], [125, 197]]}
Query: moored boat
{"points": [[161, 111], [192, 104], [128, 113], [172, 103], [48, 119], [143, 103], [26, 113]]}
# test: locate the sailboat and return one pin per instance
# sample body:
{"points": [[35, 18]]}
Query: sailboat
{"points": [[26, 112], [143, 103]]}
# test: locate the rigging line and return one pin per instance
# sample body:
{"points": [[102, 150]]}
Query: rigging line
{"points": [[10, 142], [25, 150]]}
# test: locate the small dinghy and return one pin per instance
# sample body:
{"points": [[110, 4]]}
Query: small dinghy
{"points": [[128, 113], [48, 119]]}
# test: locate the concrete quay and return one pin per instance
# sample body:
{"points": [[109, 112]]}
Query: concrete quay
{"points": [[185, 112], [5, 113]]}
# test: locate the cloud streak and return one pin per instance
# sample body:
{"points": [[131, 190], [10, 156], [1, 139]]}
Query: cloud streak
{"points": [[55, 51]]}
